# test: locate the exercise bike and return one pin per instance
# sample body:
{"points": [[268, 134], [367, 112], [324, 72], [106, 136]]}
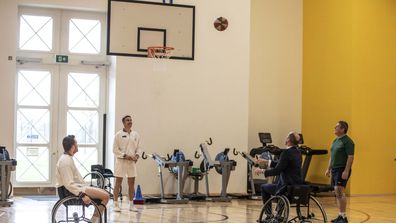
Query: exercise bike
{"points": [[222, 165], [180, 168]]}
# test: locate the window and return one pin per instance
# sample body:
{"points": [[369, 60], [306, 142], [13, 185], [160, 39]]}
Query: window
{"points": [[35, 33], [84, 36]]}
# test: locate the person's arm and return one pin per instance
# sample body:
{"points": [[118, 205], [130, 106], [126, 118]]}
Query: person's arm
{"points": [[280, 166], [116, 149], [348, 166], [66, 173], [327, 173], [350, 150]]}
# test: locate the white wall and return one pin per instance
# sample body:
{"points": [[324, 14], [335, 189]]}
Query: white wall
{"points": [[275, 93], [192, 100], [8, 14]]}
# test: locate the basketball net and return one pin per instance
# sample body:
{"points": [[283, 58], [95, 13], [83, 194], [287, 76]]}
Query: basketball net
{"points": [[160, 55]]}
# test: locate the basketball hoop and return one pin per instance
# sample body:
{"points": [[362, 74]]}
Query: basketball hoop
{"points": [[159, 52]]}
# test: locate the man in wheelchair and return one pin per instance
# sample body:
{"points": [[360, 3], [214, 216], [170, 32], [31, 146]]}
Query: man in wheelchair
{"points": [[289, 189], [288, 167], [70, 182]]}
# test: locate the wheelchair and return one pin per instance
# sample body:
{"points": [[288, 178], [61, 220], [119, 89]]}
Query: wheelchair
{"points": [[71, 208], [308, 208], [101, 177]]}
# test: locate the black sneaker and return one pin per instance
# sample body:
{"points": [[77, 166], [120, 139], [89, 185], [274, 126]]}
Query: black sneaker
{"points": [[339, 217]]}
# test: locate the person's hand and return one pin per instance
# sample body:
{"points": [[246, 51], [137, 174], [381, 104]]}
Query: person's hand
{"points": [[345, 175], [86, 199], [262, 162], [327, 173], [258, 171], [135, 157]]}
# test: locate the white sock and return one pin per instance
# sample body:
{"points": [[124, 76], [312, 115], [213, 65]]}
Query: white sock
{"points": [[342, 214]]}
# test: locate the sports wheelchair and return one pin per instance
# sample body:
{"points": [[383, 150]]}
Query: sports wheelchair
{"points": [[101, 177], [308, 208], [71, 208]]}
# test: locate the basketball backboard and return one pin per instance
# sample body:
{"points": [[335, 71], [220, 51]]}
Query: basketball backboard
{"points": [[133, 26]]}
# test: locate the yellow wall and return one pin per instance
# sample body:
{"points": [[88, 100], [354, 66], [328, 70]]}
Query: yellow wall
{"points": [[349, 74]]}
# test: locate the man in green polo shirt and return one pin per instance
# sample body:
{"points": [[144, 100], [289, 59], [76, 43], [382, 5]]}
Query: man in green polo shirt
{"points": [[340, 163]]}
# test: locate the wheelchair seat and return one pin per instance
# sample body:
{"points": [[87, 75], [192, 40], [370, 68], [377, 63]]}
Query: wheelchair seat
{"points": [[63, 193], [298, 194]]}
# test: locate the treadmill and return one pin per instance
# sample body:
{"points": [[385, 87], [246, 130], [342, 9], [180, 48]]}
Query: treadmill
{"points": [[307, 152]]}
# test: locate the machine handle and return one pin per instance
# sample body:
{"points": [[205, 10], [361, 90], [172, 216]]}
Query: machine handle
{"points": [[210, 142], [144, 156], [197, 155], [168, 157]]}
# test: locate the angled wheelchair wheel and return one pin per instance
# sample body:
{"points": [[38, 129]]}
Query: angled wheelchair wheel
{"points": [[10, 188], [312, 212], [72, 209], [95, 179], [275, 210]]}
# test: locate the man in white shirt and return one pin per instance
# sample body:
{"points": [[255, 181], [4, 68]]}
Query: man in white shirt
{"points": [[69, 177], [126, 150]]}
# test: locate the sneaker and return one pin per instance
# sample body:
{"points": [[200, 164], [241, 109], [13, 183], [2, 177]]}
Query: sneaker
{"points": [[132, 208], [116, 208], [339, 217]]}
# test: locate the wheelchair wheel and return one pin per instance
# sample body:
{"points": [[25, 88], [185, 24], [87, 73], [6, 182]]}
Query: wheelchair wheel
{"points": [[313, 212], [9, 190], [95, 179], [275, 210], [72, 209]]}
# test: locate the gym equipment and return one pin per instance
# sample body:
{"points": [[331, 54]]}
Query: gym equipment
{"points": [[308, 208], [251, 162], [6, 166], [308, 153], [182, 173], [101, 177], [266, 151], [196, 175], [80, 211], [223, 166]]}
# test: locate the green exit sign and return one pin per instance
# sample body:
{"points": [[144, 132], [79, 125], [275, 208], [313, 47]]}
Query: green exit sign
{"points": [[62, 59]]}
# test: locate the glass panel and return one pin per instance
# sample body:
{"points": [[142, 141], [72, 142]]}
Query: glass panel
{"points": [[35, 33], [84, 158], [83, 90], [34, 88], [84, 125], [84, 36], [33, 126], [33, 164]]}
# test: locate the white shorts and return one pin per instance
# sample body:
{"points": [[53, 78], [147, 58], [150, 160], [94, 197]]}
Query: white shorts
{"points": [[125, 168]]}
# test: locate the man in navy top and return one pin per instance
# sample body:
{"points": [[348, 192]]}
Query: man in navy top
{"points": [[288, 167]]}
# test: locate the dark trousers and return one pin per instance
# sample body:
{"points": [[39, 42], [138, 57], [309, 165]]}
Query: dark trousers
{"points": [[267, 190]]}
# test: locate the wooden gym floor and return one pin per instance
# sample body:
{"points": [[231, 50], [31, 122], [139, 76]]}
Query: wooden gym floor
{"points": [[375, 209]]}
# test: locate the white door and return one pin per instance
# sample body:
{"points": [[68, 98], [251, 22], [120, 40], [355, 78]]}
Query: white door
{"points": [[58, 99]]}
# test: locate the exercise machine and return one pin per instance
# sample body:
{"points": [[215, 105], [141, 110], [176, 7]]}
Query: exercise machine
{"points": [[180, 168], [251, 162], [266, 151], [6, 166], [222, 165], [307, 152]]}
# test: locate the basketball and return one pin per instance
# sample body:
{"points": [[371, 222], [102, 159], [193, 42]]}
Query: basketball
{"points": [[221, 24]]}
